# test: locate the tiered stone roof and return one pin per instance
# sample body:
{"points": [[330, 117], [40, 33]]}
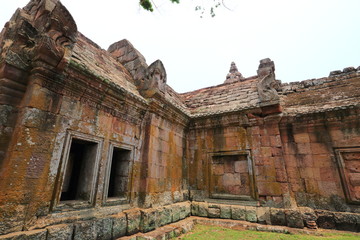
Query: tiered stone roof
{"points": [[324, 94], [226, 97], [98, 62], [341, 89]]}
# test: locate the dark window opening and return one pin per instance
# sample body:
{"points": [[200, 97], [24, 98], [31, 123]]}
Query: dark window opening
{"points": [[79, 172], [119, 173]]}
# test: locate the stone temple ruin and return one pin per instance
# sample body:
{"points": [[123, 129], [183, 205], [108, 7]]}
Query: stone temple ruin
{"points": [[95, 145]]}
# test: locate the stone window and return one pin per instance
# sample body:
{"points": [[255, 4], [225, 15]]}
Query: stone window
{"points": [[348, 160], [76, 181], [231, 176], [118, 173]]}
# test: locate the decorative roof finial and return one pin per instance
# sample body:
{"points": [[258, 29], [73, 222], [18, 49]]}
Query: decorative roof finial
{"points": [[233, 75]]}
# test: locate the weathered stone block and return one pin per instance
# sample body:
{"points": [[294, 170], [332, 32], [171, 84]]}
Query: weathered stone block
{"points": [[194, 208], [13, 224], [85, 230], [184, 210], [178, 197], [60, 232], [277, 216], [203, 209], [225, 211], [270, 188], [336, 72], [28, 235], [164, 216], [175, 212], [319, 148], [188, 209], [214, 212], [104, 228], [238, 213], [308, 214], [148, 220], [266, 151], [119, 225], [302, 137], [250, 214], [294, 219], [347, 221], [197, 195], [325, 219], [263, 215], [133, 218]]}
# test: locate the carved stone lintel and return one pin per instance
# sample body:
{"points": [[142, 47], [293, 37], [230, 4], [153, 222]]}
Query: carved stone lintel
{"points": [[266, 85]]}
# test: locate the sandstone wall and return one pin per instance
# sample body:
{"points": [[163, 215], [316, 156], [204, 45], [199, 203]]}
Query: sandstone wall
{"points": [[164, 150], [32, 168], [244, 134], [53, 114], [65, 103], [311, 147]]}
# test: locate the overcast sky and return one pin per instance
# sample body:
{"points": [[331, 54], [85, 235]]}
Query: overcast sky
{"points": [[305, 38]]}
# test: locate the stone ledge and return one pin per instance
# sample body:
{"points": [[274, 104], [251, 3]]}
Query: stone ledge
{"points": [[296, 218], [173, 220], [174, 230], [166, 232]]}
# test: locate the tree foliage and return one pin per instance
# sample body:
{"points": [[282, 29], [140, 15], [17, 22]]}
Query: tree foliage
{"points": [[148, 5]]}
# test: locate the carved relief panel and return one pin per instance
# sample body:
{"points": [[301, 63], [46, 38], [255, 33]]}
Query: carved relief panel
{"points": [[349, 168]]}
